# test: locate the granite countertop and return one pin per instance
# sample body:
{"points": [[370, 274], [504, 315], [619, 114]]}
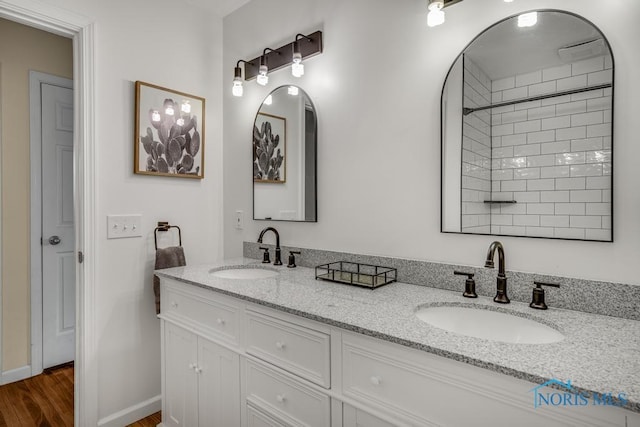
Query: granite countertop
{"points": [[599, 354]]}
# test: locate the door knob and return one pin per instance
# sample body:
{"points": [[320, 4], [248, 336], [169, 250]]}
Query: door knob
{"points": [[54, 240]]}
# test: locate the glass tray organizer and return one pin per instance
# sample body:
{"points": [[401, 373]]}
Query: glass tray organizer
{"points": [[356, 274]]}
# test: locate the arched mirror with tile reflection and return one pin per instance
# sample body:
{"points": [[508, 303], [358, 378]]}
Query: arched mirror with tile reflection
{"points": [[527, 132]]}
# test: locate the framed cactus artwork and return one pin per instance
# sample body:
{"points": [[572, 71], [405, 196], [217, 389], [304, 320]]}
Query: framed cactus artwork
{"points": [[269, 145], [169, 133]]}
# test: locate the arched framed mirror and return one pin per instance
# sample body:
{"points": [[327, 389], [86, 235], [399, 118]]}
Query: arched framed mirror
{"points": [[527, 131], [284, 157]]}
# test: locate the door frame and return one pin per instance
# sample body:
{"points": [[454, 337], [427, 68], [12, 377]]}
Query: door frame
{"points": [[36, 79], [82, 30]]}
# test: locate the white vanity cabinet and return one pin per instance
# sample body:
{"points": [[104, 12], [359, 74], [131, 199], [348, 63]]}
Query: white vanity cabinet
{"points": [[200, 382], [228, 362]]}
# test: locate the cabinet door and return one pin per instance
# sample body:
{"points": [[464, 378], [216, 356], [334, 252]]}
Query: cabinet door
{"points": [[181, 380], [218, 385]]}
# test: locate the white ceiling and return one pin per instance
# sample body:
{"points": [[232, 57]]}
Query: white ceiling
{"points": [[219, 7], [507, 50]]}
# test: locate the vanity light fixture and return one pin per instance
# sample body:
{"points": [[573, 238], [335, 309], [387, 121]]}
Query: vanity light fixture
{"points": [[303, 47], [527, 19], [263, 78], [237, 89], [292, 90], [297, 68], [436, 14], [268, 100]]}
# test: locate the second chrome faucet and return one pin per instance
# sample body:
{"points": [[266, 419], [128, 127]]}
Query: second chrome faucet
{"points": [[501, 287]]}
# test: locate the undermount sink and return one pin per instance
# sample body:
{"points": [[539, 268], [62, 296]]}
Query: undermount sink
{"points": [[488, 324], [244, 273]]}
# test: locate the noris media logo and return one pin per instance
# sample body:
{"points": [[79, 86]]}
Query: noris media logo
{"points": [[563, 394]]}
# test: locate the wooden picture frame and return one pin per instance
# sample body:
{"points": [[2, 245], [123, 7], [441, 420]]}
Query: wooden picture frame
{"points": [[169, 132], [269, 149]]}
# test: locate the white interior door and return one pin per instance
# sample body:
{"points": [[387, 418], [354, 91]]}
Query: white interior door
{"points": [[58, 254]]}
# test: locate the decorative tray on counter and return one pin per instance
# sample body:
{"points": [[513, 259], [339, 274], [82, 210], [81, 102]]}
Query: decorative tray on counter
{"points": [[356, 274]]}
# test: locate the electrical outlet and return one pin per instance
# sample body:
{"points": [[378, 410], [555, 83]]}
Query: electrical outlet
{"points": [[123, 226], [239, 220]]}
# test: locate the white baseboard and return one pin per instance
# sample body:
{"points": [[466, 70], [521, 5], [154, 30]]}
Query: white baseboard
{"points": [[14, 375], [133, 413]]}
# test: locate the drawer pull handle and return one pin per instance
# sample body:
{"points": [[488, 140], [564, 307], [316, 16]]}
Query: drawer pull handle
{"points": [[221, 321], [174, 304], [280, 345], [376, 380], [280, 398]]}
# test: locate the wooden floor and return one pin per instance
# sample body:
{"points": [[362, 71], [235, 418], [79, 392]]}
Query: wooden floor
{"points": [[46, 401]]}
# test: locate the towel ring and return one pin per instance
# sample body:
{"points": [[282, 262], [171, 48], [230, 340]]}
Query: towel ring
{"points": [[164, 226]]}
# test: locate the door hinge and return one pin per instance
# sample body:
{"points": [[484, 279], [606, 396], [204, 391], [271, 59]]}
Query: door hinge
{"points": [[80, 257]]}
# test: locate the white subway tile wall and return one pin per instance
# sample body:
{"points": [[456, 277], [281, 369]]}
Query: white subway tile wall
{"points": [[476, 152], [552, 156]]}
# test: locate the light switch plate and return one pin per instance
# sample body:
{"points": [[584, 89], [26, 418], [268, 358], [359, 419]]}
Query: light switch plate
{"points": [[123, 226]]}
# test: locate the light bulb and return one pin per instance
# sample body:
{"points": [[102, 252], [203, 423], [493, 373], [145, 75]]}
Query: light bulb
{"points": [[237, 88], [297, 68], [155, 116], [169, 110], [528, 19], [292, 90], [263, 78], [435, 4], [435, 17], [268, 100]]}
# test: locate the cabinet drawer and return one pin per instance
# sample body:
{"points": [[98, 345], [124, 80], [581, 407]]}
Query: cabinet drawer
{"points": [[354, 417], [216, 319], [380, 380], [287, 399], [426, 390], [294, 348], [259, 418]]}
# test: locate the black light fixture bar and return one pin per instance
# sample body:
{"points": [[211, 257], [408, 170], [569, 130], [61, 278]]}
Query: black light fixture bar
{"points": [[450, 2], [309, 46]]}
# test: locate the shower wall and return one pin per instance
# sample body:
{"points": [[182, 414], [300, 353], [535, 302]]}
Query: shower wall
{"points": [[553, 156], [476, 151]]}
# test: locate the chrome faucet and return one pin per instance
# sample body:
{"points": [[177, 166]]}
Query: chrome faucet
{"points": [[278, 260], [501, 294]]}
